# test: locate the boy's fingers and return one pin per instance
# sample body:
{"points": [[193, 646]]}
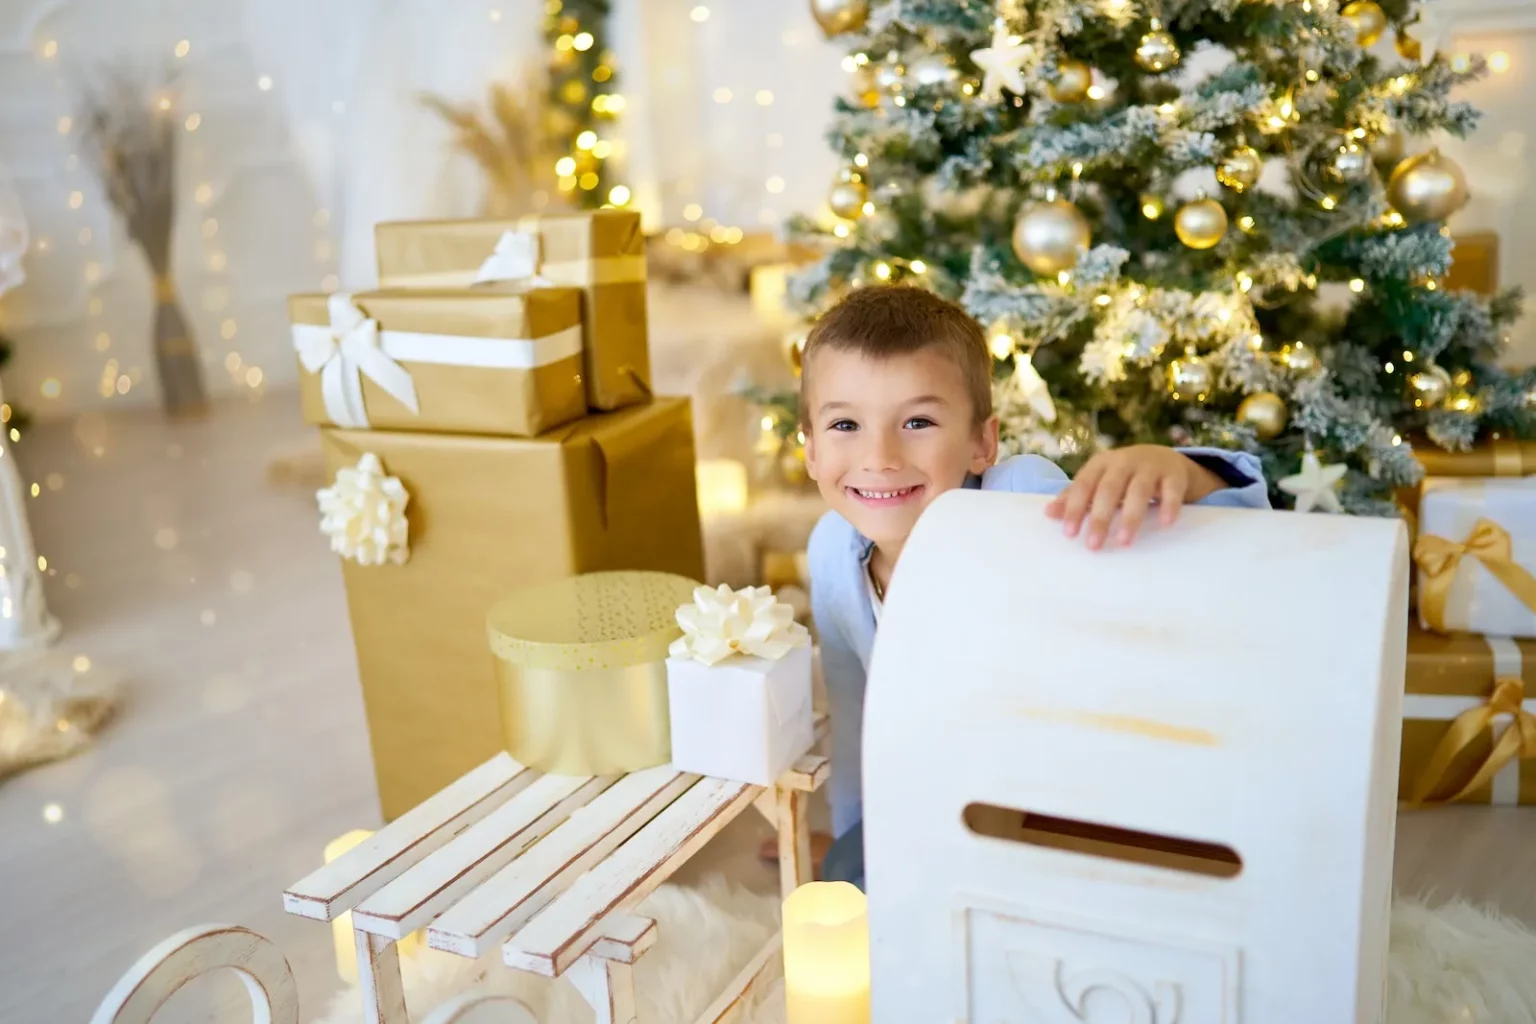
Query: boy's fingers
{"points": [[1107, 499], [1138, 497], [1076, 498], [1171, 499]]}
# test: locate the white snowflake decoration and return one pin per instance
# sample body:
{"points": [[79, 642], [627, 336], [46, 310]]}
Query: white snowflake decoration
{"points": [[1002, 63], [363, 514]]}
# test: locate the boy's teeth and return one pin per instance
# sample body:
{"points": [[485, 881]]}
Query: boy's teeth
{"points": [[884, 494]]}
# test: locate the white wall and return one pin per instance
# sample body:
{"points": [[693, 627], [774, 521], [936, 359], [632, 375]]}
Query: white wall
{"points": [[297, 174]]}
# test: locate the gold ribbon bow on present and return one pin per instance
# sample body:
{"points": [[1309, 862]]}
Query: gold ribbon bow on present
{"points": [[1517, 741], [1439, 558], [346, 353]]}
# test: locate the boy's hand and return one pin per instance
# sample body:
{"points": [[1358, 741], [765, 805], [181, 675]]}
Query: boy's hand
{"points": [[1128, 481]]}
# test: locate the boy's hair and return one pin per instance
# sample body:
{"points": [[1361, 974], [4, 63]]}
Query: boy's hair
{"points": [[881, 321]]}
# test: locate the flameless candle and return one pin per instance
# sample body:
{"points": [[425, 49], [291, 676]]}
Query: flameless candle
{"points": [[826, 954]]}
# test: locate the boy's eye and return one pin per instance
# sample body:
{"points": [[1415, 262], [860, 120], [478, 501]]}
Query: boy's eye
{"points": [[919, 423], [843, 425]]}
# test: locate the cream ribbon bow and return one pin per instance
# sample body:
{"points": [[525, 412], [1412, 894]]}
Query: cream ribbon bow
{"points": [[516, 259], [722, 622], [343, 355]]}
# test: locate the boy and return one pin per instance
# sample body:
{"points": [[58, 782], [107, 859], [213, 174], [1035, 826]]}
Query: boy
{"points": [[896, 398]]}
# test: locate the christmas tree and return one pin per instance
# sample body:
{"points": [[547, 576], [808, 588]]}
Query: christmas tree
{"points": [[1188, 221]]}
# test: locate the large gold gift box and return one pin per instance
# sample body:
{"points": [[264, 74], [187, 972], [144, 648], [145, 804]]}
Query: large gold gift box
{"points": [[499, 360], [1469, 730], [601, 252], [486, 517]]}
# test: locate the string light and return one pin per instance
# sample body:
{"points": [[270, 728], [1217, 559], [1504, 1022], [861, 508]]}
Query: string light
{"points": [[618, 195], [764, 98], [774, 184], [1245, 222], [65, 124], [264, 83], [883, 270], [1102, 300], [692, 212], [583, 42], [193, 120], [722, 95], [1244, 282], [183, 48], [1328, 202], [1356, 285], [1498, 62], [53, 813], [919, 267], [701, 14], [76, 199]]}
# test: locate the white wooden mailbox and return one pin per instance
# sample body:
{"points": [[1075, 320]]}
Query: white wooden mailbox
{"points": [[1152, 785]]}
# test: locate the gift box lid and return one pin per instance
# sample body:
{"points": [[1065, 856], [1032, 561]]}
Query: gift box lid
{"points": [[599, 620], [411, 252], [482, 311]]}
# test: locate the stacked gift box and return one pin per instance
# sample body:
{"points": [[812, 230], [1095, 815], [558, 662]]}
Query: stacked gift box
{"points": [[1469, 730], [494, 395]]}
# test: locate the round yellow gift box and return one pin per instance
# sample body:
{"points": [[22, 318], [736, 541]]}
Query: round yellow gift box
{"points": [[581, 665]]}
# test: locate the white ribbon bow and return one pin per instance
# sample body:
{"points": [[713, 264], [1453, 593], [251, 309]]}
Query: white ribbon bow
{"points": [[516, 259], [344, 355], [722, 622]]}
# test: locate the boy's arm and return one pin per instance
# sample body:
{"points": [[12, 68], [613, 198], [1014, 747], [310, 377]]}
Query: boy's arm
{"points": [[842, 672], [1239, 473]]}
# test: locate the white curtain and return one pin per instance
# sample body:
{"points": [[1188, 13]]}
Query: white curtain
{"points": [[355, 72], [13, 235]]}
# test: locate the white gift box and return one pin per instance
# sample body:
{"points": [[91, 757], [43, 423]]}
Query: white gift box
{"points": [[744, 719], [1456, 543]]}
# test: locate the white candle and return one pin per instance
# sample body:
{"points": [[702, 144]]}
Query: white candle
{"points": [[722, 486], [826, 954], [341, 927]]}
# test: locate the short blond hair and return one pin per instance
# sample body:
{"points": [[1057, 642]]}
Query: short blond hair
{"points": [[881, 321]]}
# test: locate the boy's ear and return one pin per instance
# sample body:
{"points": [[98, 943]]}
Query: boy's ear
{"points": [[986, 447], [810, 453]]}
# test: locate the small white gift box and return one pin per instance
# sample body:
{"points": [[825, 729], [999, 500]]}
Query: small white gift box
{"points": [[1476, 554], [739, 687]]}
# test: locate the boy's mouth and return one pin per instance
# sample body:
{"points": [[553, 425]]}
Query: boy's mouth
{"points": [[884, 498]]}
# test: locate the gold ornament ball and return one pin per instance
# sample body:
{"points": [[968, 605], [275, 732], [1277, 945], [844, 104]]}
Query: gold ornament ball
{"points": [[848, 198], [1408, 47], [1387, 147], [1430, 386], [1240, 169], [1048, 235], [1190, 378], [1157, 52], [1298, 358], [1427, 187], [932, 70], [1368, 19], [1349, 163], [1073, 79], [1266, 413], [1200, 224], [865, 89], [838, 16]]}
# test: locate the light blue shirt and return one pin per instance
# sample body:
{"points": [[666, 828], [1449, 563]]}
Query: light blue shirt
{"points": [[845, 619]]}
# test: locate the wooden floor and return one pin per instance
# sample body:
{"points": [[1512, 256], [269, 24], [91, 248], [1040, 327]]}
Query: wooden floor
{"points": [[240, 749]]}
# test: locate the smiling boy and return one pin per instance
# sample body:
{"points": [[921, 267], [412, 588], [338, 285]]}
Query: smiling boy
{"points": [[896, 395]]}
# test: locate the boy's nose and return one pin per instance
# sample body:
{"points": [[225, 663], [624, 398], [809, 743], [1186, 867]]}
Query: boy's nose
{"points": [[884, 452]]}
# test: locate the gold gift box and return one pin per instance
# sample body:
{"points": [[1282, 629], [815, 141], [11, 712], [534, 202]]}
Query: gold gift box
{"points": [[487, 516], [601, 252], [461, 348], [582, 670], [1456, 673]]}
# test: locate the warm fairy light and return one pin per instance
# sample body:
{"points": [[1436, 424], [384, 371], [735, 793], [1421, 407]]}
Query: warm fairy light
{"points": [[228, 329], [1397, 439], [1389, 366], [867, 209], [602, 73], [76, 199], [50, 49], [264, 83], [53, 813], [42, 563], [841, 230], [722, 95], [1328, 202], [1356, 285], [232, 362], [203, 193], [1401, 83], [766, 423], [565, 165], [253, 376], [564, 43], [699, 13], [65, 124], [1407, 356], [618, 195], [583, 41], [883, 271], [217, 261], [92, 272], [1277, 122], [494, 14], [193, 120], [764, 98], [603, 149], [587, 182], [850, 65], [1461, 63], [36, 490], [1431, 285], [183, 48], [1167, 108], [860, 160], [1498, 62], [1245, 222], [774, 184], [586, 140], [123, 384], [1256, 342], [1312, 75], [1001, 346], [1152, 209], [1358, 133], [50, 388], [1244, 282], [1103, 300], [1395, 219], [1077, 170], [692, 212], [1064, 278], [919, 267], [103, 341]]}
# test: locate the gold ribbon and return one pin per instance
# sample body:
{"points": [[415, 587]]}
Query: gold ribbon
{"points": [[1508, 457], [1518, 741], [165, 289], [1438, 558]]}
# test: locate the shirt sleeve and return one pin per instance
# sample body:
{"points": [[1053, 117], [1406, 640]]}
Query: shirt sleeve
{"points": [[1035, 474]]}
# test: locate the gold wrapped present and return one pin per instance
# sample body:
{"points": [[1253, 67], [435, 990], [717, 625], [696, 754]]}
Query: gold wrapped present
{"points": [[1469, 727], [435, 528], [491, 361], [601, 252], [583, 673]]}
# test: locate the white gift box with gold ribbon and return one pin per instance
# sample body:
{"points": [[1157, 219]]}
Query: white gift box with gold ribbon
{"points": [[1476, 555], [739, 686]]}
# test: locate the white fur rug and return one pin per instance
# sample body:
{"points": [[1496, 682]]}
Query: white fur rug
{"points": [[1449, 964]]}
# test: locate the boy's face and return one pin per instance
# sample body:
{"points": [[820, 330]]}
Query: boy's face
{"points": [[887, 436]]}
